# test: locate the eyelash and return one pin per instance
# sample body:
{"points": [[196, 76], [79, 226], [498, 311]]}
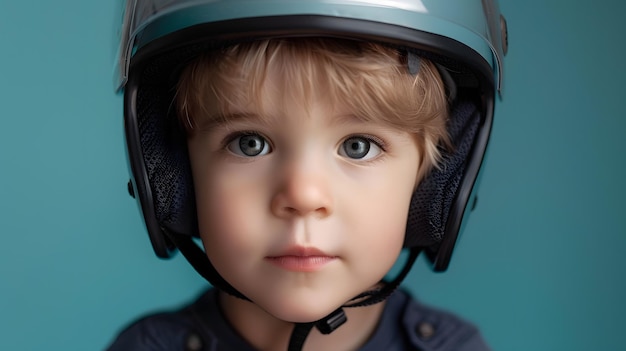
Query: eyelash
{"points": [[238, 134], [371, 138]]}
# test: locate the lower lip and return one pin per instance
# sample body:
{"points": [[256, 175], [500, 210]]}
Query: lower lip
{"points": [[301, 263]]}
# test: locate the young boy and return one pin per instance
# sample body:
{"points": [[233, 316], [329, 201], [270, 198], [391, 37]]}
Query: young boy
{"points": [[305, 161]]}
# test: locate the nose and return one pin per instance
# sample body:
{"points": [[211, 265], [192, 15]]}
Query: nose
{"points": [[303, 190]]}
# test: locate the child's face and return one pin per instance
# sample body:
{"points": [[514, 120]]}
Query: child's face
{"points": [[294, 210]]}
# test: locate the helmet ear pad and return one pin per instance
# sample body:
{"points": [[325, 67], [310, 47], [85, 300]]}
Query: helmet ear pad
{"points": [[162, 144], [430, 211], [167, 162]]}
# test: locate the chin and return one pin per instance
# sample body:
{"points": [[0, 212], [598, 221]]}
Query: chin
{"points": [[299, 312]]}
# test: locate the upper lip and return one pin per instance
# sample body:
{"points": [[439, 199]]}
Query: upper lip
{"points": [[302, 251]]}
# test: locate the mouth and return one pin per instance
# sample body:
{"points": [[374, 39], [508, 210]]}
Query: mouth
{"points": [[301, 259]]}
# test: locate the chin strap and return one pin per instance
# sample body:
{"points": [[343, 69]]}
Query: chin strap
{"points": [[299, 335], [325, 325], [201, 263], [334, 320]]}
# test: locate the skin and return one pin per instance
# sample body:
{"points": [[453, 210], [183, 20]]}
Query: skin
{"points": [[307, 223]]}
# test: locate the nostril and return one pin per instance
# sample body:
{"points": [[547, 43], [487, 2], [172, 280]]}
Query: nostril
{"points": [[322, 212]]}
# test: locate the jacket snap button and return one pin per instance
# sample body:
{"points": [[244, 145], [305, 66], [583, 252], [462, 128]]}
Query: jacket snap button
{"points": [[425, 330], [193, 343]]}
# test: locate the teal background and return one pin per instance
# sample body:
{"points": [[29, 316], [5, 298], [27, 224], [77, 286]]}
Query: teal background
{"points": [[539, 267]]}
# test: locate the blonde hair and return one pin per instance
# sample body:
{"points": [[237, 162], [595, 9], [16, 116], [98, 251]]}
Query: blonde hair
{"points": [[371, 79]]}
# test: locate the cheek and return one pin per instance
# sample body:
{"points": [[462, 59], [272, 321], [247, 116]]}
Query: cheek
{"points": [[381, 216], [226, 225], [384, 228], [229, 211]]}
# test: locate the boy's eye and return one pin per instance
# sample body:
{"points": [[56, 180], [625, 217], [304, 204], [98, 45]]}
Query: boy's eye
{"points": [[249, 145], [359, 148]]}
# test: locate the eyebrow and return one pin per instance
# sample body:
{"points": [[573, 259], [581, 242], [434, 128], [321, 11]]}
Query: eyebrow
{"points": [[240, 116], [218, 120], [349, 118], [224, 120]]}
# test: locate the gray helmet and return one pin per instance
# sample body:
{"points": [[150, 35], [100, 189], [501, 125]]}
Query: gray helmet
{"points": [[465, 38]]}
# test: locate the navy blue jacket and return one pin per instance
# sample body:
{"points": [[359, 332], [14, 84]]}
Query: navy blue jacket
{"points": [[405, 325]]}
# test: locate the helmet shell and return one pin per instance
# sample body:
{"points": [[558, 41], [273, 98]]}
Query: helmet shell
{"points": [[474, 23]]}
